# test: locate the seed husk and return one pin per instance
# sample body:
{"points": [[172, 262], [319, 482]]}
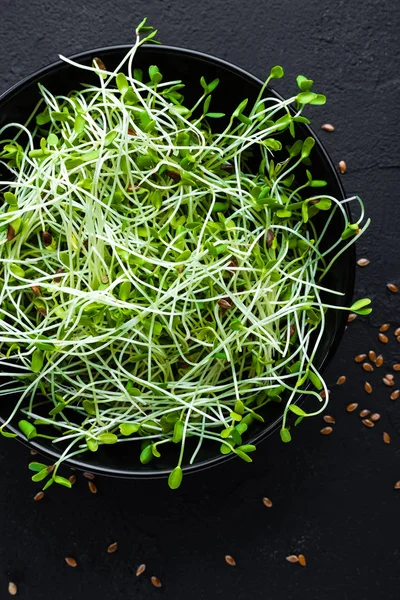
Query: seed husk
{"points": [[397, 332], [397, 485], [383, 338], [363, 262], [112, 548], [364, 412], [224, 303], [88, 475], [328, 127], [292, 558], [99, 63], [39, 496], [270, 238], [329, 419], [47, 238], [367, 367], [141, 569], [230, 560], [326, 430], [58, 279], [360, 358], [12, 588], [10, 233], [342, 166], [388, 382], [375, 417], [36, 290], [372, 356], [341, 380], [392, 287], [302, 560], [92, 487], [267, 502], [72, 479], [368, 423], [368, 387], [155, 581], [396, 367], [33, 452], [351, 407], [130, 131], [173, 174], [394, 395], [386, 437], [71, 562], [379, 361], [351, 317], [384, 327]]}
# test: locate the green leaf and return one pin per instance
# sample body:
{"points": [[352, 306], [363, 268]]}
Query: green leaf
{"points": [[227, 432], [235, 416], [304, 212], [155, 75], [17, 271], [79, 124], [37, 361], [247, 448], [306, 97], [92, 444], [359, 304], [110, 137], [7, 434], [298, 421], [27, 429], [318, 183], [243, 455], [285, 435], [155, 451], [108, 438], [215, 115], [304, 84], [129, 428], [37, 466], [276, 72], [175, 478], [10, 198], [52, 139], [318, 100], [364, 311], [48, 484], [239, 407], [307, 147], [178, 431], [62, 481], [315, 380], [89, 407], [122, 83], [238, 111], [297, 410], [324, 204], [41, 475], [284, 213], [225, 449], [146, 455], [57, 409]]}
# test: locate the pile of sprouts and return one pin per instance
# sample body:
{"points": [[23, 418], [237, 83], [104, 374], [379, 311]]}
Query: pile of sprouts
{"points": [[154, 285]]}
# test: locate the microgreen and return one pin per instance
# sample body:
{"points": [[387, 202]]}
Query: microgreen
{"points": [[153, 287]]}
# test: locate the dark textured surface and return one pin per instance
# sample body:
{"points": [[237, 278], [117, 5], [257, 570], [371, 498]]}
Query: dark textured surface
{"points": [[333, 496]]}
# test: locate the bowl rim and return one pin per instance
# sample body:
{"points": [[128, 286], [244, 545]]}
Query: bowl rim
{"points": [[272, 427]]}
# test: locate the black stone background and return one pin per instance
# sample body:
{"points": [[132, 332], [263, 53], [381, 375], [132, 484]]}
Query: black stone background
{"points": [[333, 496]]}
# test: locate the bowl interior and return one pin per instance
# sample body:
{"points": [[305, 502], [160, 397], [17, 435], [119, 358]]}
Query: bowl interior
{"points": [[235, 85]]}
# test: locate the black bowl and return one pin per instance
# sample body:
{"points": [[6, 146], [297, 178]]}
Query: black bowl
{"points": [[235, 84]]}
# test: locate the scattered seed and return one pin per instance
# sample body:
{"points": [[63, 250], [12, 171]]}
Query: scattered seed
{"points": [[364, 412], [302, 560], [342, 166], [33, 452], [230, 560], [375, 417], [351, 317], [341, 380], [89, 476], [292, 558], [326, 430], [383, 338], [368, 387], [379, 361], [329, 419], [92, 487], [141, 569], [351, 407], [367, 367], [384, 327], [72, 479], [388, 382], [12, 589], [389, 376], [363, 262], [397, 332], [328, 127], [71, 562], [396, 367], [392, 288], [372, 356], [360, 358], [368, 423], [224, 303], [267, 502], [155, 581], [394, 395], [323, 394], [397, 485], [398, 338], [38, 496], [270, 238], [386, 437], [112, 548]]}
